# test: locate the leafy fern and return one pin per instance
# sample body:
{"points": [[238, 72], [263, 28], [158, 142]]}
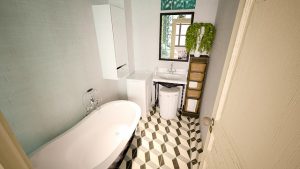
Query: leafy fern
{"points": [[194, 31]]}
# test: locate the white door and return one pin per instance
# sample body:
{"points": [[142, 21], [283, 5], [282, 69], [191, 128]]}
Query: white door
{"points": [[258, 116]]}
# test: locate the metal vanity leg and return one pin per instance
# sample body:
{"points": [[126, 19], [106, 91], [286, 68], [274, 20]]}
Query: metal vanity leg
{"points": [[181, 100], [157, 104], [155, 97]]}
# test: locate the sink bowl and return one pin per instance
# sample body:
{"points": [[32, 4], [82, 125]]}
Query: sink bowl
{"points": [[170, 76]]}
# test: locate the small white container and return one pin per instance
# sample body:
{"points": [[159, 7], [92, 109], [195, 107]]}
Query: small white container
{"points": [[168, 101]]}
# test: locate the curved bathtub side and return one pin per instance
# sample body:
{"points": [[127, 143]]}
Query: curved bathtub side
{"points": [[94, 141], [124, 134]]}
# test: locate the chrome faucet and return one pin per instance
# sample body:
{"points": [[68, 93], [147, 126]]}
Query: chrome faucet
{"points": [[92, 103], [172, 70]]}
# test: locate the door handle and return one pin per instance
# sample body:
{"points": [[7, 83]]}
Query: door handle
{"points": [[207, 121]]}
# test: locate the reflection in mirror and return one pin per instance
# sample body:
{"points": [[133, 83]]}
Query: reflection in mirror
{"points": [[173, 27]]}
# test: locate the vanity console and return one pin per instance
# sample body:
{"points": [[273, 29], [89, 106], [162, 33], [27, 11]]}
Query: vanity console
{"points": [[169, 79], [173, 27]]}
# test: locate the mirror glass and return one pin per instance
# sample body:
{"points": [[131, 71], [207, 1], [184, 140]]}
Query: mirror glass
{"points": [[173, 28]]}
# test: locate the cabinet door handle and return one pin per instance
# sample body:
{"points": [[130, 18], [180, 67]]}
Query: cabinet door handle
{"points": [[119, 67]]}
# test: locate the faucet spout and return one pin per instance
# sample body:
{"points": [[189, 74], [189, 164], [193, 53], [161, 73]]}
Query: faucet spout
{"points": [[172, 70]]}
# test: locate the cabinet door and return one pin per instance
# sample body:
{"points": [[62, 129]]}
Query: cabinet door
{"points": [[120, 38], [104, 32]]}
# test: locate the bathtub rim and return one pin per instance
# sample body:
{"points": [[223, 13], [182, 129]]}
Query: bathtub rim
{"points": [[138, 113]]}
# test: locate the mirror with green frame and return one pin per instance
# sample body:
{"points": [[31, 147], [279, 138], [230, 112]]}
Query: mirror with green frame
{"points": [[173, 27]]}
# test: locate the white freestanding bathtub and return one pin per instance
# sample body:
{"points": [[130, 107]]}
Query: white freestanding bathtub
{"points": [[94, 143]]}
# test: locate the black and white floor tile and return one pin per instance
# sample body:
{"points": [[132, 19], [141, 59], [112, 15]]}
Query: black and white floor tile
{"points": [[166, 144]]}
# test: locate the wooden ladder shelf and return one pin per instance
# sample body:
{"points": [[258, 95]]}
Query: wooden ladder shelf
{"points": [[195, 85]]}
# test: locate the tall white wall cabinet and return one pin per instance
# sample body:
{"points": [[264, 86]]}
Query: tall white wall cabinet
{"points": [[111, 33]]}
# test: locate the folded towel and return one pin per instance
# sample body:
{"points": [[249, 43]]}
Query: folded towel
{"points": [[193, 84], [191, 105]]}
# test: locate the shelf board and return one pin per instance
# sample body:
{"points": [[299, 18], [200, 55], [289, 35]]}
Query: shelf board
{"points": [[190, 114], [195, 80], [196, 98], [197, 72], [193, 89]]}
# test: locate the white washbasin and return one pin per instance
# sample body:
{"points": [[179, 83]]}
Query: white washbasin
{"points": [[170, 76]]}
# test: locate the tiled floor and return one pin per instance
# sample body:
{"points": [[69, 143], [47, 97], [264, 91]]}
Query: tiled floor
{"points": [[165, 144]]}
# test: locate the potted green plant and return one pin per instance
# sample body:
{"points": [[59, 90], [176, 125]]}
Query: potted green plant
{"points": [[199, 38]]}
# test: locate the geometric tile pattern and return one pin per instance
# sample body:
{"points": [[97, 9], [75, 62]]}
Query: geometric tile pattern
{"points": [[166, 144], [177, 4], [195, 144]]}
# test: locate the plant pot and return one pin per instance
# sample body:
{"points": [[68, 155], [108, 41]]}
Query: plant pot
{"points": [[197, 53], [205, 53]]}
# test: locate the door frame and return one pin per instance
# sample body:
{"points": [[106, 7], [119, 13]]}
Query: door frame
{"points": [[241, 22], [12, 154]]}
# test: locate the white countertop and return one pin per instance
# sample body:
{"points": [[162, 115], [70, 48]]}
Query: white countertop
{"points": [[181, 80]]}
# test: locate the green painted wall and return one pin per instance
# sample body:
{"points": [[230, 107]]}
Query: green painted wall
{"points": [[48, 58]]}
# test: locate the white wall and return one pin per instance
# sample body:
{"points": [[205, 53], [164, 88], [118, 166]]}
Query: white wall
{"points": [[206, 11], [224, 24], [145, 18], [48, 58]]}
